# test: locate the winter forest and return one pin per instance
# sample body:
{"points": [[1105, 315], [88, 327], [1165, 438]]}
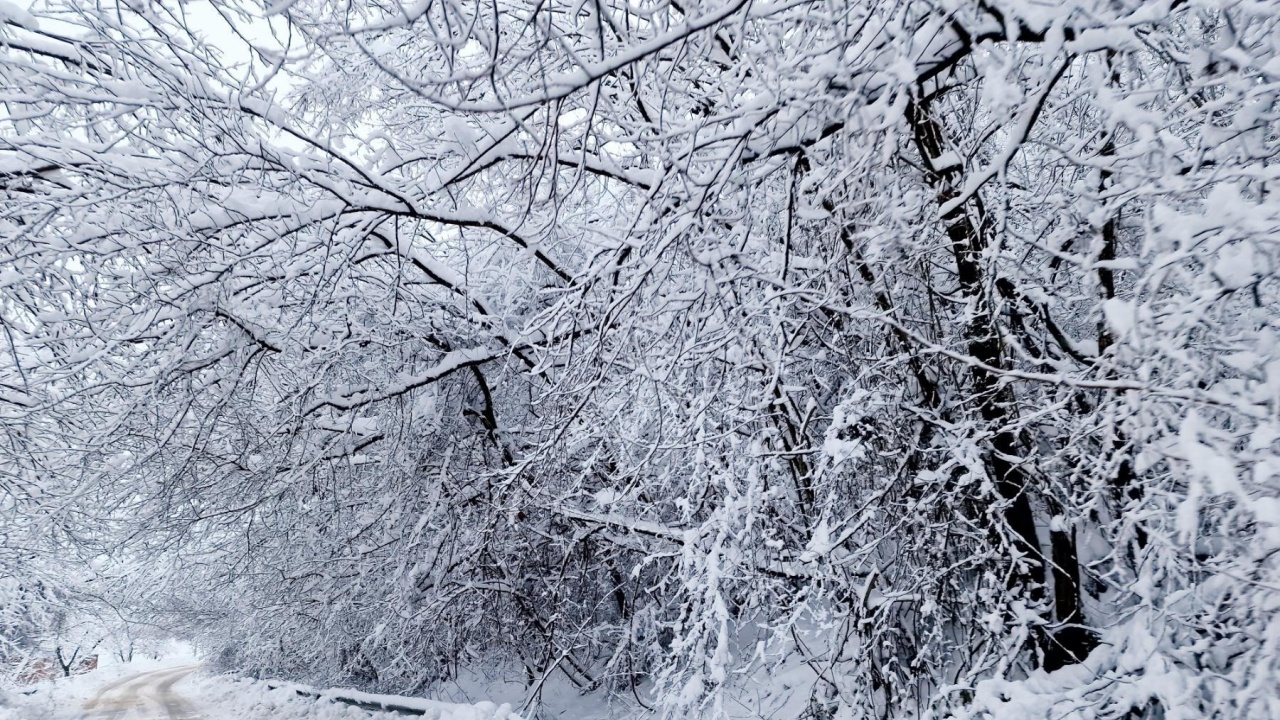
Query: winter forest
{"points": [[822, 359]]}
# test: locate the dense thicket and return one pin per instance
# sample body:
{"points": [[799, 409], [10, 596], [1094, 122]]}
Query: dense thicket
{"points": [[910, 349]]}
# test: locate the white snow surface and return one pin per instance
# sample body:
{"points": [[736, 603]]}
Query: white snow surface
{"points": [[219, 697], [250, 695], [63, 697]]}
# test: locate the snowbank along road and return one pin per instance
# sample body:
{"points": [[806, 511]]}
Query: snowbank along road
{"points": [[148, 696]]}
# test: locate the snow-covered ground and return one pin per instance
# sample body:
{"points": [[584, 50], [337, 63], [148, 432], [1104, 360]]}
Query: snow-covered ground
{"points": [[63, 696], [160, 690], [241, 699]]}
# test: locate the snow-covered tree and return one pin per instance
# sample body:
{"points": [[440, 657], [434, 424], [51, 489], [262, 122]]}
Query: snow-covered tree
{"points": [[910, 348]]}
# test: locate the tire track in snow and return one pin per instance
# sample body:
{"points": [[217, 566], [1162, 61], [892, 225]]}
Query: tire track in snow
{"points": [[147, 696]]}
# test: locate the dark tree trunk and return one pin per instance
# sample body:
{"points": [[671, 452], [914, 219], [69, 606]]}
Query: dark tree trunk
{"points": [[966, 230]]}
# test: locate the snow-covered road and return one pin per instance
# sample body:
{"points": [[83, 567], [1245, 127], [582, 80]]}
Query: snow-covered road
{"points": [[146, 696], [165, 690]]}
